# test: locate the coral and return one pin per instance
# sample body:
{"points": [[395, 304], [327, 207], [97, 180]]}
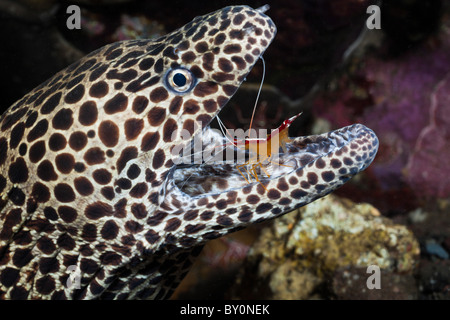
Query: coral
{"points": [[287, 282], [405, 100], [137, 27], [326, 236], [401, 90], [429, 160]]}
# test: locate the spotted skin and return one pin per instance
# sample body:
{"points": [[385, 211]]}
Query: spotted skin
{"points": [[88, 179]]}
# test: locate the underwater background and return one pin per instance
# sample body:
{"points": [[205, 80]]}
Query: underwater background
{"points": [[326, 62]]}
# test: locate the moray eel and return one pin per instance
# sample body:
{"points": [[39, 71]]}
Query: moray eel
{"points": [[93, 205]]}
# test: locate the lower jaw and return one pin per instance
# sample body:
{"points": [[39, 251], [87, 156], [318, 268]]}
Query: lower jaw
{"points": [[204, 177]]}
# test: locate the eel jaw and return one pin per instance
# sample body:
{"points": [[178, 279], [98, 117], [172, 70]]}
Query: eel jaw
{"points": [[334, 157]]}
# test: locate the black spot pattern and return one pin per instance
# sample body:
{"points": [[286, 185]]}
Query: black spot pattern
{"points": [[116, 104], [88, 175], [75, 94], [88, 113]]}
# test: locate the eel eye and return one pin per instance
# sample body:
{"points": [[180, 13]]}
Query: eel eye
{"points": [[180, 80]]}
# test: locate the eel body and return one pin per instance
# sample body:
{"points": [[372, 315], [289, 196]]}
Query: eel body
{"points": [[93, 204]]}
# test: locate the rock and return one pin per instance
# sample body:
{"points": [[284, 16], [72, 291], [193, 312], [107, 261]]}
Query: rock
{"points": [[434, 280], [446, 243], [286, 282], [302, 251], [435, 249], [351, 284]]}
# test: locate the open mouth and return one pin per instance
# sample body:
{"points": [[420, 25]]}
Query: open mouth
{"points": [[209, 171]]}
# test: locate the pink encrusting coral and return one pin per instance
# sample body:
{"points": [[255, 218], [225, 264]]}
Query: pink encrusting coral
{"points": [[401, 91], [404, 117], [405, 100], [429, 166]]}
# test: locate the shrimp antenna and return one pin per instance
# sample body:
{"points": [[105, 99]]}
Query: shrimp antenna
{"points": [[223, 128], [259, 92]]}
